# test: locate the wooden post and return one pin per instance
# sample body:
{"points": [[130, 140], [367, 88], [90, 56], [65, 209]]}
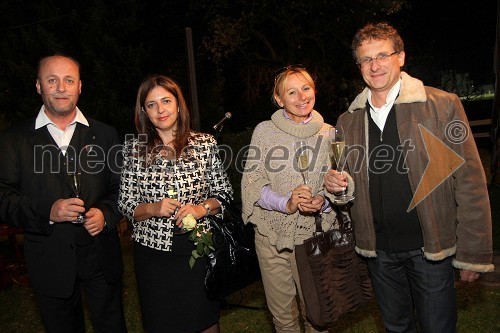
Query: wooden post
{"points": [[195, 111]]}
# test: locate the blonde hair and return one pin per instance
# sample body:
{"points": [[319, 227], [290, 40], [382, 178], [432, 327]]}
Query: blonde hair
{"points": [[281, 80]]}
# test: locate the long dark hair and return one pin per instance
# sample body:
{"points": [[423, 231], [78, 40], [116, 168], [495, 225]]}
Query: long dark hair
{"points": [[145, 126]]}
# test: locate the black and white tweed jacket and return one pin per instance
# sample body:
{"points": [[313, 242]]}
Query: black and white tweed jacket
{"points": [[196, 175]]}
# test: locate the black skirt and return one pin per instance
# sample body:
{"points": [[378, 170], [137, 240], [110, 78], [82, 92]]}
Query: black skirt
{"points": [[172, 296]]}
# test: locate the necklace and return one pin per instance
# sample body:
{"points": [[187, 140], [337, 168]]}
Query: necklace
{"points": [[168, 151]]}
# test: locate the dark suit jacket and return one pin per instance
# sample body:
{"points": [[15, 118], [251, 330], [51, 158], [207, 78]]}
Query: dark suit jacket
{"points": [[33, 176]]}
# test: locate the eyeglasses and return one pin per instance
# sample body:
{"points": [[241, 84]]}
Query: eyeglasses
{"points": [[381, 59], [284, 69]]}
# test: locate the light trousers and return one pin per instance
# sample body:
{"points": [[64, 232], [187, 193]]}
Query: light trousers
{"points": [[281, 283]]}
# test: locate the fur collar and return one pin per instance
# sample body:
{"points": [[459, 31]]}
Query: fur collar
{"points": [[412, 91]]}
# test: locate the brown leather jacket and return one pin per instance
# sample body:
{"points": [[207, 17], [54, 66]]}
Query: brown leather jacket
{"points": [[452, 199]]}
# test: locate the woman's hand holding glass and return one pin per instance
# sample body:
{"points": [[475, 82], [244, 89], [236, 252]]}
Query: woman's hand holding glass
{"points": [[314, 205], [165, 207], [300, 195]]}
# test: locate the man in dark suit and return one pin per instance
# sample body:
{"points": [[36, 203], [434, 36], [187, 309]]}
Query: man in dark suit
{"points": [[65, 256]]}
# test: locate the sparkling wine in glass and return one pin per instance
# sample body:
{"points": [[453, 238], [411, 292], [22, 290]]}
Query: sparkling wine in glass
{"points": [[338, 155], [75, 179], [302, 155]]}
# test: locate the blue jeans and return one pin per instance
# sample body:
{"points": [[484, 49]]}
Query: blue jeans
{"points": [[407, 285]]}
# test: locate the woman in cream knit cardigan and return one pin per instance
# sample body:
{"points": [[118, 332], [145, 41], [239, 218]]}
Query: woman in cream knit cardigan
{"points": [[275, 198]]}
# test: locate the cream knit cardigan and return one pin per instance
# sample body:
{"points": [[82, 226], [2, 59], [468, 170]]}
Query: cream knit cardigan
{"points": [[270, 161]]}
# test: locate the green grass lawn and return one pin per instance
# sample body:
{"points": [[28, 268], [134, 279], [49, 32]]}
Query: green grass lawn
{"points": [[478, 306]]}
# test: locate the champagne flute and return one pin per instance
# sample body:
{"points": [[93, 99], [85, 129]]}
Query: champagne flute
{"points": [[302, 156], [338, 156], [172, 191], [75, 180]]}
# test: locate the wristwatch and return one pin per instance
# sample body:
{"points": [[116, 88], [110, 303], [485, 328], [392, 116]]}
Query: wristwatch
{"points": [[207, 207]]}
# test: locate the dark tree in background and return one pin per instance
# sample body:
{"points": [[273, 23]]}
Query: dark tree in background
{"points": [[248, 41], [239, 44], [100, 36]]}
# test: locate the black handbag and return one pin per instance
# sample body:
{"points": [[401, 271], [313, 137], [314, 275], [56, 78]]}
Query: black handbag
{"points": [[333, 277], [234, 264]]}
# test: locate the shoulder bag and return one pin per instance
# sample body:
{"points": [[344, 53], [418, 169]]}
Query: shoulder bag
{"points": [[234, 264], [333, 277]]}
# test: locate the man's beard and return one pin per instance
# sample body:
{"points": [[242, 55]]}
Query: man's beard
{"points": [[59, 111], [62, 113]]}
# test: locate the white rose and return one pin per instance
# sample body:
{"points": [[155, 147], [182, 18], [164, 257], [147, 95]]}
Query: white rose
{"points": [[189, 222]]}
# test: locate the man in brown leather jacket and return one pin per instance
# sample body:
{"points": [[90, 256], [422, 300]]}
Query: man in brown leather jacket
{"points": [[421, 204]]}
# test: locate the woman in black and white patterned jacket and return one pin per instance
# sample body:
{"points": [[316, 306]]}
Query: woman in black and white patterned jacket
{"points": [[170, 171]]}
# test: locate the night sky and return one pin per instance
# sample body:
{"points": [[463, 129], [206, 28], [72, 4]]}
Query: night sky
{"points": [[439, 35], [460, 35]]}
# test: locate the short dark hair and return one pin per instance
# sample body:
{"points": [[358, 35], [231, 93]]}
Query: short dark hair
{"points": [[380, 31]]}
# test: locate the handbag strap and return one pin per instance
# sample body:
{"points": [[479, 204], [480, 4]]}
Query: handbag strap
{"points": [[344, 218], [345, 224], [230, 206], [317, 220]]}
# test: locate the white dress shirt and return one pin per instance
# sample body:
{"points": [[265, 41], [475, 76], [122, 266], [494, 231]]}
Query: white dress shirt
{"points": [[61, 137], [379, 115]]}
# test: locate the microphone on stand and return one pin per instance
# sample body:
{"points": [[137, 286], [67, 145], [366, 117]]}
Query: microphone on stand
{"points": [[227, 115]]}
